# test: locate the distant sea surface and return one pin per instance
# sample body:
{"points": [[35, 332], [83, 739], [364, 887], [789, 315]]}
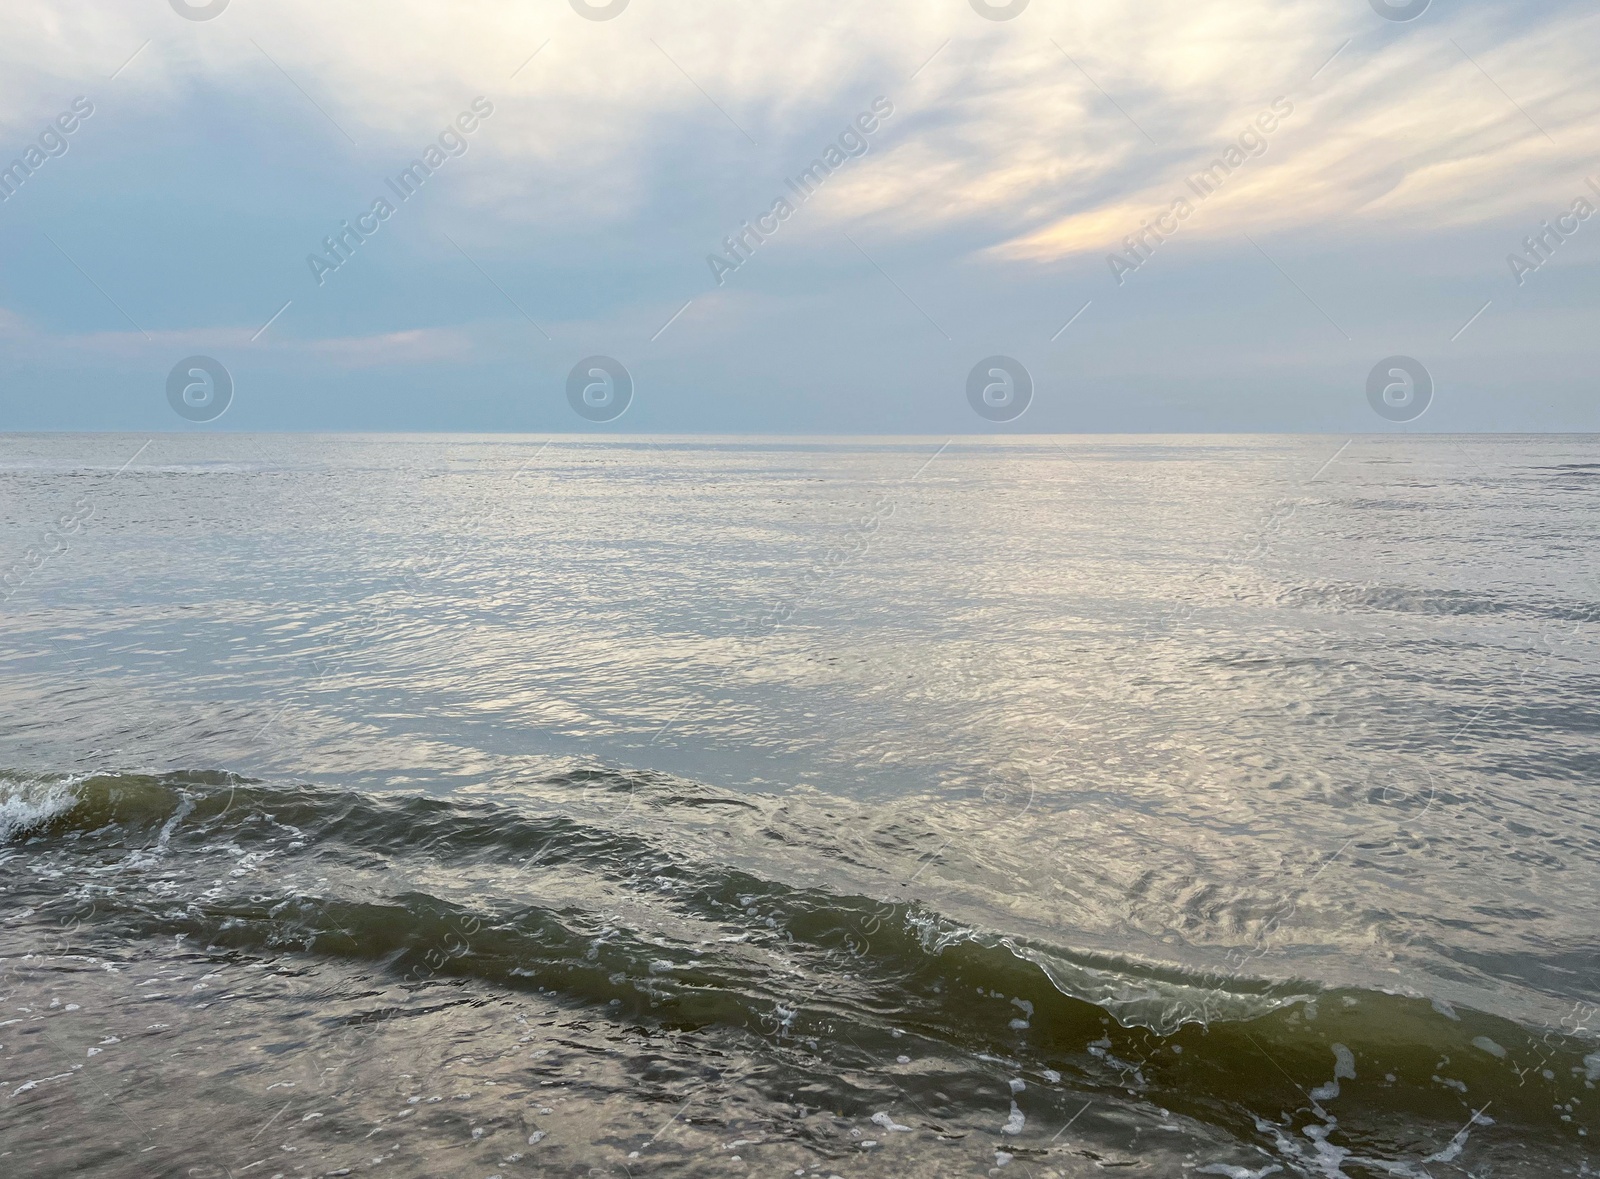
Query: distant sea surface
{"points": [[500, 806]]}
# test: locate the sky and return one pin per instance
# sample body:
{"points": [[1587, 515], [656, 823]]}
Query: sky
{"points": [[1332, 195]]}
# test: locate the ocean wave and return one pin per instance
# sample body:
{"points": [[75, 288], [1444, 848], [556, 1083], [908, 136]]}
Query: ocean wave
{"points": [[479, 889], [1439, 602], [27, 804], [496, 845]]}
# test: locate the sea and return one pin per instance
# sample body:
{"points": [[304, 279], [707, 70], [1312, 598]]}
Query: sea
{"points": [[496, 806]]}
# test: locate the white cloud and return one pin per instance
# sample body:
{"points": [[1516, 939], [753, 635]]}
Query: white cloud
{"points": [[25, 337], [999, 134], [414, 346]]}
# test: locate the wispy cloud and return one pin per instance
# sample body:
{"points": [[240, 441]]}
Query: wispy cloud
{"points": [[620, 154], [417, 345], [396, 349]]}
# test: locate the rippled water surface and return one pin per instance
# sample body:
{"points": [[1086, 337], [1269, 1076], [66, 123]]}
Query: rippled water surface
{"points": [[471, 806]]}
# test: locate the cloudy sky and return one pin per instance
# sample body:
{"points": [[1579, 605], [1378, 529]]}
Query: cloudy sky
{"points": [[1406, 162]]}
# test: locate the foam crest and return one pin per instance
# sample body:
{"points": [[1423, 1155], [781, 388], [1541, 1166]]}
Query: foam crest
{"points": [[26, 804]]}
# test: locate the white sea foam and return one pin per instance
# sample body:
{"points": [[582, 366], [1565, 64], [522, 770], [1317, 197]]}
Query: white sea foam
{"points": [[27, 804], [1015, 1121], [1135, 995], [1485, 1044]]}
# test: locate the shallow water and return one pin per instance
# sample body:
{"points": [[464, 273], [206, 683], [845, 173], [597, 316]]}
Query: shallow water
{"points": [[701, 806]]}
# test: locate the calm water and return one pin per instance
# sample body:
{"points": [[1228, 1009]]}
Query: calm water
{"points": [[488, 806]]}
